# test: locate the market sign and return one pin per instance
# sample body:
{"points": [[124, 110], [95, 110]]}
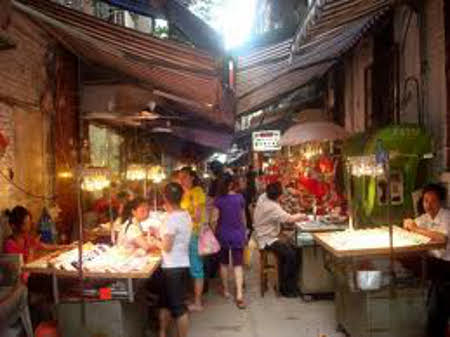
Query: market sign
{"points": [[268, 140]]}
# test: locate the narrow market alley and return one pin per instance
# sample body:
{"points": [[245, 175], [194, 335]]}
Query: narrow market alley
{"points": [[265, 316]]}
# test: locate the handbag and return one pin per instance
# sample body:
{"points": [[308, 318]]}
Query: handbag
{"points": [[207, 242]]}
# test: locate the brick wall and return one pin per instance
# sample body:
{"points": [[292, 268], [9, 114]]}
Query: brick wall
{"points": [[29, 96], [7, 161], [22, 69]]}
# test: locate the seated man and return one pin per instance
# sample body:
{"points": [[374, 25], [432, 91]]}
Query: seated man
{"points": [[435, 223], [267, 219]]}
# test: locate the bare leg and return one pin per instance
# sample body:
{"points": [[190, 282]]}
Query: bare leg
{"points": [[198, 291], [239, 279], [182, 325], [164, 320], [224, 278]]}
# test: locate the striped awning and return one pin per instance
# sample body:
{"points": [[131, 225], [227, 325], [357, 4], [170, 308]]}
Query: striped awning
{"points": [[331, 28], [326, 16], [189, 77]]}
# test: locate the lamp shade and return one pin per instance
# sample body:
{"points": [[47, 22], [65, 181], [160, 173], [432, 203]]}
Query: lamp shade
{"points": [[312, 132]]}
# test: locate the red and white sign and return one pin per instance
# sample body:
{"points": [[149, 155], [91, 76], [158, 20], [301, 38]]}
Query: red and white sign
{"points": [[268, 140]]}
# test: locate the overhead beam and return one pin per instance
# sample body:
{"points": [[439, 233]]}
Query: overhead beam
{"points": [[182, 100], [5, 14]]}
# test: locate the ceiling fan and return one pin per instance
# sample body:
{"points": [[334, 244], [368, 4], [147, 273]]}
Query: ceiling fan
{"points": [[163, 129], [146, 114]]}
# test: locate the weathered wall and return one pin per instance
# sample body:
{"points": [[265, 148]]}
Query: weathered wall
{"points": [[407, 36], [29, 100], [435, 105], [355, 98], [22, 71], [65, 134]]}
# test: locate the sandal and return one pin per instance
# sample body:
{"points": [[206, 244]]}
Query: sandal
{"points": [[224, 293], [195, 308], [241, 304]]}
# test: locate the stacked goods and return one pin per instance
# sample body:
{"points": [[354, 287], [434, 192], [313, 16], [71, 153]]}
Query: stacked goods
{"points": [[102, 258], [64, 260]]}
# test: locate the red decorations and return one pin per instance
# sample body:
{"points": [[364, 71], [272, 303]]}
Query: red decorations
{"points": [[326, 165], [3, 144], [315, 187]]}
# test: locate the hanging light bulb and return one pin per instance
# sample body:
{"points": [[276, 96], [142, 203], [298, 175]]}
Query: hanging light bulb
{"points": [[136, 172], [365, 166], [95, 179], [156, 174]]}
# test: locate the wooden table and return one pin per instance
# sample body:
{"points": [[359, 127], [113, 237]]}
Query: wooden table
{"points": [[37, 267]]}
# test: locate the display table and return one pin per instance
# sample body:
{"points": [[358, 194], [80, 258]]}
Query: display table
{"points": [[396, 307], [314, 279], [44, 266], [113, 316]]}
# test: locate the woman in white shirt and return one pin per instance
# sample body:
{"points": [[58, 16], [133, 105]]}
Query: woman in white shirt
{"points": [[132, 235], [175, 235]]}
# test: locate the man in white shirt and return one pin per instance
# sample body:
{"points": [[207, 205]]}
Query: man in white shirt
{"points": [[267, 219], [435, 223], [174, 244]]}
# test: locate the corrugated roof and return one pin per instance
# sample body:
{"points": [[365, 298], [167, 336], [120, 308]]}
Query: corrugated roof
{"points": [[331, 28], [189, 74]]}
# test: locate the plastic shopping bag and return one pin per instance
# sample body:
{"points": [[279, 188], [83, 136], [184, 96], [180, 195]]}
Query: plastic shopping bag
{"points": [[207, 242]]}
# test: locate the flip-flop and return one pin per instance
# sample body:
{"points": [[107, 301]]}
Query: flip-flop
{"points": [[241, 304]]}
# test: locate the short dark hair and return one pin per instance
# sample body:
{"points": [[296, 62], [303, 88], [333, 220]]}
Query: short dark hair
{"points": [[173, 193], [274, 190], [225, 183], [190, 171], [439, 190], [216, 167], [16, 218], [132, 206]]}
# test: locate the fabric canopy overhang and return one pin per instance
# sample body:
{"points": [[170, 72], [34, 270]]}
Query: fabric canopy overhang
{"points": [[331, 28], [186, 75]]}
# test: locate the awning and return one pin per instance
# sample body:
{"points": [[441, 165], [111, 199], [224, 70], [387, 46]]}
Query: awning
{"points": [[186, 75], [312, 132], [327, 16], [268, 73]]}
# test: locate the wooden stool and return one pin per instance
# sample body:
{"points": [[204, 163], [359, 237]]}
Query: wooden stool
{"points": [[268, 264]]}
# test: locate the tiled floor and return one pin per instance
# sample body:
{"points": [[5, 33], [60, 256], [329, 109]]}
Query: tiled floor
{"points": [[264, 317]]}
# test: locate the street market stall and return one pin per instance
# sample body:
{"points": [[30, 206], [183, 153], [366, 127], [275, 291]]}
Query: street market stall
{"points": [[369, 299], [376, 293], [106, 302], [99, 262], [310, 175]]}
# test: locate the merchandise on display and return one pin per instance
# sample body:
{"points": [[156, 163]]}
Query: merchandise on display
{"points": [[97, 258], [372, 239]]}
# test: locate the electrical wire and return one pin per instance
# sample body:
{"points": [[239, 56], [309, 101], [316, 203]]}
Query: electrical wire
{"points": [[23, 190]]}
